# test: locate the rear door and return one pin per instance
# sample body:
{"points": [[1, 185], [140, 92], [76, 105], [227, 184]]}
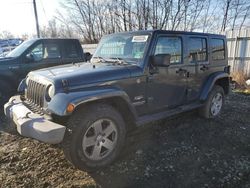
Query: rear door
{"points": [[198, 64], [206, 55]]}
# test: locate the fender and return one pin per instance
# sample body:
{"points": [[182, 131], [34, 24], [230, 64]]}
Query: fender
{"points": [[60, 101], [208, 85]]}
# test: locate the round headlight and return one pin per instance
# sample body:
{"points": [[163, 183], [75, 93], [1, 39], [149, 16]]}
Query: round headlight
{"points": [[50, 92]]}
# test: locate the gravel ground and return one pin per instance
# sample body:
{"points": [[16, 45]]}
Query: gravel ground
{"points": [[185, 151]]}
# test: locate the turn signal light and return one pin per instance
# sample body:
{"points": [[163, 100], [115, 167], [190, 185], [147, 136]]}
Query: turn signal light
{"points": [[70, 108]]}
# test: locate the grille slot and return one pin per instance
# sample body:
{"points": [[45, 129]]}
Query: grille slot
{"points": [[36, 93]]}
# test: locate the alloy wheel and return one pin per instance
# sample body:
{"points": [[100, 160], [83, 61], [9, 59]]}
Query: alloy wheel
{"points": [[100, 139], [216, 105]]}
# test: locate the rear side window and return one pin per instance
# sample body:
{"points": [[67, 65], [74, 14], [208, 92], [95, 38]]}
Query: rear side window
{"points": [[51, 51], [197, 49], [171, 46], [218, 49], [71, 50]]}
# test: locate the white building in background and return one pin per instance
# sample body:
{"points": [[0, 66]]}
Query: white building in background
{"points": [[238, 43]]}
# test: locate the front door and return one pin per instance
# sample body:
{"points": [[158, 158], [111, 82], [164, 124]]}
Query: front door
{"points": [[44, 54], [166, 87]]}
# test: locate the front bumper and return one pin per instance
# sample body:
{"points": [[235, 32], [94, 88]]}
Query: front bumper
{"points": [[33, 125]]}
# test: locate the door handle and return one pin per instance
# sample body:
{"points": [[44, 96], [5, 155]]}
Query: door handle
{"points": [[204, 68], [180, 70], [183, 72]]}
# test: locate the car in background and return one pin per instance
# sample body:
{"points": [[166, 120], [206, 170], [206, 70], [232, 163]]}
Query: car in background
{"points": [[10, 42], [7, 45], [36, 54]]}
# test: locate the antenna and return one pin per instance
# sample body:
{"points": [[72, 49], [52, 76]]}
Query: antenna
{"points": [[36, 17]]}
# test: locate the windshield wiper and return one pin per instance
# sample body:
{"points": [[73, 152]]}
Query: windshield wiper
{"points": [[100, 59], [113, 60], [118, 60]]}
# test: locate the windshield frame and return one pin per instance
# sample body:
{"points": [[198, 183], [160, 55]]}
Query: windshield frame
{"points": [[19, 50], [136, 61]]}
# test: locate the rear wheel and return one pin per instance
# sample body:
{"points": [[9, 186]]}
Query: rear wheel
{"points": [[94, 137], [214, 103]]}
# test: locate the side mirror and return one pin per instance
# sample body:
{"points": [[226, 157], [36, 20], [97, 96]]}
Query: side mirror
{"points": [[88, 56], [29, 58], [161, 60]]}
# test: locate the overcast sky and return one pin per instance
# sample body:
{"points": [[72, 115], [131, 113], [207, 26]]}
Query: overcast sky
{"points": [[17, 16]]}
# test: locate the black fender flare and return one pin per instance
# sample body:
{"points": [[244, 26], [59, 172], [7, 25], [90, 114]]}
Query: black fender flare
{"points": [[209, 83], [60, 101]]}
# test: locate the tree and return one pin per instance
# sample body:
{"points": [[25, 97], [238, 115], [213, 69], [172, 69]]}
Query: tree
{"points": [[6, 35], [91, 19]]}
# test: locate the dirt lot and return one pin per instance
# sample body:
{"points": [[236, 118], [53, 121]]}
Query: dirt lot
{"points": [[186, 151]]}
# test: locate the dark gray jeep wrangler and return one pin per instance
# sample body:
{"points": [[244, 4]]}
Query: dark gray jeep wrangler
{"points": [[133, 78]]}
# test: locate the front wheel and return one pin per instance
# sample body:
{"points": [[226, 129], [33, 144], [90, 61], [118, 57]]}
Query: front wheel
{"points": [[214, 103], [94, 137]]}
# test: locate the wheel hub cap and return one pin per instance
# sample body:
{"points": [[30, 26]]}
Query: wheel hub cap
{"points": [[216, 104], [100, 139]]}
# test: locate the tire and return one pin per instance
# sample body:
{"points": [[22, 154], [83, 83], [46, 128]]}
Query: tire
{"points": [[212, 106], [5, 93], [85, 143]]}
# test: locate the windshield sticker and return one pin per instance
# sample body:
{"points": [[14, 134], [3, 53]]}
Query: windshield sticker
{"points": [[141, 38]]}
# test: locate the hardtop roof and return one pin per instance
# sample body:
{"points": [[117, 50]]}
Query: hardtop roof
{"points": [[141, 32]]}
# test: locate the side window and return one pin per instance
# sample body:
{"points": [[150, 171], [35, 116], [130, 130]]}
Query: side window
{"points": [[197, 49], [37, 52], [51, 51], [218, 49], [71, 50], [170, 45]]}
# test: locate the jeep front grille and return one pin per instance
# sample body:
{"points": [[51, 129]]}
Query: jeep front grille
{"points": [[36, 93]]}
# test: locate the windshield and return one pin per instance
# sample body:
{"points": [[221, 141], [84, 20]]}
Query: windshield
{"points": [[20, 49], [128, 47]]}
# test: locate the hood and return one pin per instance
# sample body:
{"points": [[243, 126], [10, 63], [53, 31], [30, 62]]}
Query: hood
{"points": [[84, 73]]}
